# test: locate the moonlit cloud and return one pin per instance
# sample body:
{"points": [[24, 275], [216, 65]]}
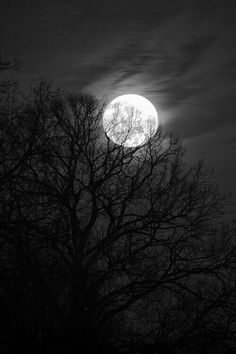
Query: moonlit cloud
{"points": [[179, 54]]}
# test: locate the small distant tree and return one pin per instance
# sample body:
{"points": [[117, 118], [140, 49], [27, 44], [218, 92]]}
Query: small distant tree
{"points": [[103, 246]]}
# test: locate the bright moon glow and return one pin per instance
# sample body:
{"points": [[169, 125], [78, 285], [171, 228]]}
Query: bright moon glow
{"points": [[130, 120]]}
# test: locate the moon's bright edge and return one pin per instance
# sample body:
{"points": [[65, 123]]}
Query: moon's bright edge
{"points": [[130, 120]]}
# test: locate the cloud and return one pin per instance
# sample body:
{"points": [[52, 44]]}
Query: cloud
{"points": [[178, 53]]}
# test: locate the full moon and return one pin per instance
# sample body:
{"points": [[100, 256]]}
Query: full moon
{"points": [[130, 120]]}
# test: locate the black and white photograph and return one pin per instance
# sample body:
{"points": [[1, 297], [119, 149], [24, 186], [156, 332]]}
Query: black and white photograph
{"points": [[117, 177]]}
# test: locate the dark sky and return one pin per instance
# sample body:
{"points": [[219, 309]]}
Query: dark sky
{"points": [[181, 54]]}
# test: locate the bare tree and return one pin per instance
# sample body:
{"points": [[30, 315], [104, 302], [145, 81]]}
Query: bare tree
{"points": [[126, 246]]}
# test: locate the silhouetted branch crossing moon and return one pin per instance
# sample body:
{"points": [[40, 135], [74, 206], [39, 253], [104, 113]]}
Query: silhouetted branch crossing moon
{"points": [[130, 120]]}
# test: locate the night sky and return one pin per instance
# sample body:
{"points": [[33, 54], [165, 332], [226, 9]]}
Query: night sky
{"points": [[179, 54]]}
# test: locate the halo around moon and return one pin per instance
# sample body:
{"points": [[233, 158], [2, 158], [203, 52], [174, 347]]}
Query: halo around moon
{"points": [[130, 120]]}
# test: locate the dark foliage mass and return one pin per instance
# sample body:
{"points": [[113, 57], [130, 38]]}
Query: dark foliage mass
{"points": [[102, 247]]}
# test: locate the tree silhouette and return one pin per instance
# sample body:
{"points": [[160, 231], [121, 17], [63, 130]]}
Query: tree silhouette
{"points": [[105, 247]]}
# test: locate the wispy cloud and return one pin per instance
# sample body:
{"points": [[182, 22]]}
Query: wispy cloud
{"points": [[178, 53]]}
